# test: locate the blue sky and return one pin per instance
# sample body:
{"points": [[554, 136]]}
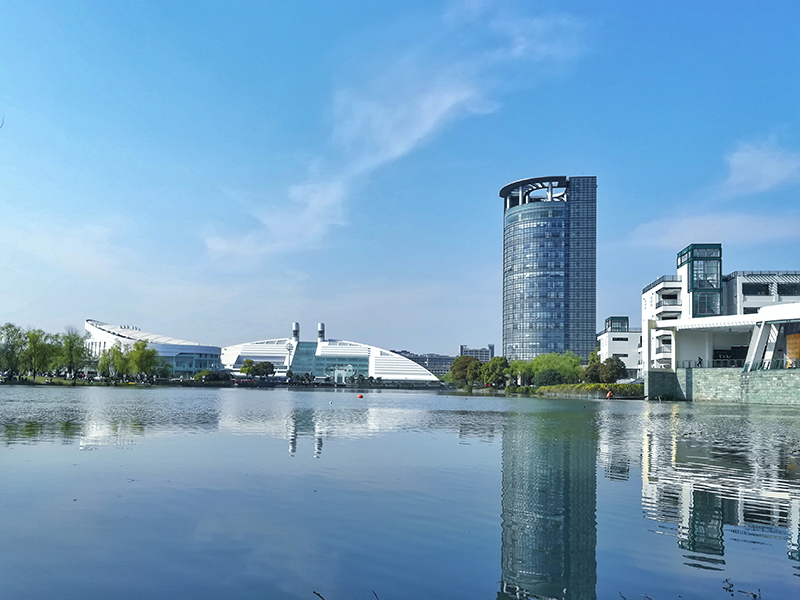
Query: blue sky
{"points": [[215, 171]]}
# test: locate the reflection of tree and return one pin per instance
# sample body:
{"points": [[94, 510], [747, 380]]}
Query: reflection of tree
{"points": [[549, 498]]}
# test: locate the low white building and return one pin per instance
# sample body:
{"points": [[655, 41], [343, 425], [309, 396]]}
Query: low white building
{"points": [[699, 298], [186, 358], [618, 339], [333, 360]]}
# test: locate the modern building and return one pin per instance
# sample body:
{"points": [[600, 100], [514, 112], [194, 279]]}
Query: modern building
{"points": [[332, 360], [618, 339], [186, 358], [438, 364], [549, 266], [482, 354], [698, 291]]}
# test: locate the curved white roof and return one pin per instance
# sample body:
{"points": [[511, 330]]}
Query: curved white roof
{"points": [[280, 352], [135, 334]]}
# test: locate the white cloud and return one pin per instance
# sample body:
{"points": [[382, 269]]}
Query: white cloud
{"points": [[388, 115], [760, 167], [737, 229]]}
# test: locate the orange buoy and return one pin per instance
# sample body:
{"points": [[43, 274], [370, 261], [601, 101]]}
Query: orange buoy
{"points": [[360, 396]]}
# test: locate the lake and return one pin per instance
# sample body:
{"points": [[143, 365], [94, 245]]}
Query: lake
{"points": [[234, 493]]}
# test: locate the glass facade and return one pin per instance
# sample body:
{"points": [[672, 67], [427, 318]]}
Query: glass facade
{"points": [[336, 367], [705, 277], [549, 267]]}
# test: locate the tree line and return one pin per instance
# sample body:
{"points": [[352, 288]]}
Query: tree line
{"points": [[137, 362], [545, 369], [32, 352]]}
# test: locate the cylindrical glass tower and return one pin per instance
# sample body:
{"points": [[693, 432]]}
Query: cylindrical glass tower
{"points": [[549, 266]]}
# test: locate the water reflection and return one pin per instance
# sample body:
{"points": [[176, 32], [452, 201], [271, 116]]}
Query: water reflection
{"points": [[549, 498]]}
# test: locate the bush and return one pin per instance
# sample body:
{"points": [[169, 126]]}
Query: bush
{"points": [[620, 390]]}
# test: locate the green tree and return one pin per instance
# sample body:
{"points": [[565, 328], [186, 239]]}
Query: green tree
{"points": [[12, 346], [74, 354], [247, 367], [201, 375], [263, 369], [548, 377], [142, 360], [460, 369], [40, 351], [494, 372], [567, 364], [592, 372], [612, 370], [522, 372], [594, 357], [115, 361]]}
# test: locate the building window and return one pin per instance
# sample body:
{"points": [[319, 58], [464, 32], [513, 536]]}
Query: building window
{"points": [[750, 310], [620, 355], [706, 304], [619, 339], [755, 289], [789, 289]]}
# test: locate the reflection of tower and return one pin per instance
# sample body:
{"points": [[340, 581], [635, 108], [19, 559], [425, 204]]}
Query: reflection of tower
{"points": [[548, 507]]}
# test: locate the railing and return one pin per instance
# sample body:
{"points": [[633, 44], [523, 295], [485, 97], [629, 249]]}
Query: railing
{"points": [[777, 363], [668, 302], [661, 280], [718, 363], [666, 349]]}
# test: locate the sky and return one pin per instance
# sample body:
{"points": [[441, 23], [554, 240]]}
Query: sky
{"points": [[214, 171]]}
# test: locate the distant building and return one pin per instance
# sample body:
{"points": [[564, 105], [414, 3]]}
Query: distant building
{"points": [[438, 364], [482, 354], [186, 358], [333, 360], [618, 339], [549, 266]]}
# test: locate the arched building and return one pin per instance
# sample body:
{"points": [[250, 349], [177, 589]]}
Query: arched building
{"points": [[334, 359], [186, 358]]}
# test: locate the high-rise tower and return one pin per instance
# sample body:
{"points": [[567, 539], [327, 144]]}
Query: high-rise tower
{"points": [[549, 266]]}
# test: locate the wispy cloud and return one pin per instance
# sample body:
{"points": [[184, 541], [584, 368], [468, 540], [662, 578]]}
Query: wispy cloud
{"points": [[734, 229], [760, 167], [415, 94]]}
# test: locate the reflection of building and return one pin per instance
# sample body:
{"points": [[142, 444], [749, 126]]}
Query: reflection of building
{"points": [[186, 358], [549, 266], [549, 533], [334, 360], [704, 483], [618, 339], [482, 354]]}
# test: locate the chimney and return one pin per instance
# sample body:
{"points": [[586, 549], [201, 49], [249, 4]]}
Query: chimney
{"points": [[296, 331], [320, 332]]}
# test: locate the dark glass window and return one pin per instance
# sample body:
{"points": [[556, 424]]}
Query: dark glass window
{"points": [[755, 289], [789, 289]]}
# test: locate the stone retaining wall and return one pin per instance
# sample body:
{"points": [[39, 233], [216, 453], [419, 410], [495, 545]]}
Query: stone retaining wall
{"points": [[726, 385]]}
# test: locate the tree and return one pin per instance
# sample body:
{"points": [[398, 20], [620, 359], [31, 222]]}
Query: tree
{"points": [[74, 354], [548, 377], [592, 372], [40, 351], [142, 360], [262, 369], [12, 345], [460, 367], [494, 372], [613, 369], [522, 372], [115, 362], [247, 367], [567, 364]]}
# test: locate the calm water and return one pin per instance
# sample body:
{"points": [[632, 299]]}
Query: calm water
{"points": [[166, 493]]}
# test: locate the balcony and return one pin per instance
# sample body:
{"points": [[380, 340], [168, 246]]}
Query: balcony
{"points": [[664, 349], [668, 302], [664, 279]]}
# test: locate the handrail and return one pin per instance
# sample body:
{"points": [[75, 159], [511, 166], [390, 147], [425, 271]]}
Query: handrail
{"points": [[661, 280], [668, 302]]}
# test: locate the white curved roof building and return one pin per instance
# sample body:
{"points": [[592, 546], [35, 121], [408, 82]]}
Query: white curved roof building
{"points": [[186, 358], [337, 359]]}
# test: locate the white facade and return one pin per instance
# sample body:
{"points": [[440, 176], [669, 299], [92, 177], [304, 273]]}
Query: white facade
{"points": [[618, 339], [186, 358], [699, 293], [335, 360]]}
